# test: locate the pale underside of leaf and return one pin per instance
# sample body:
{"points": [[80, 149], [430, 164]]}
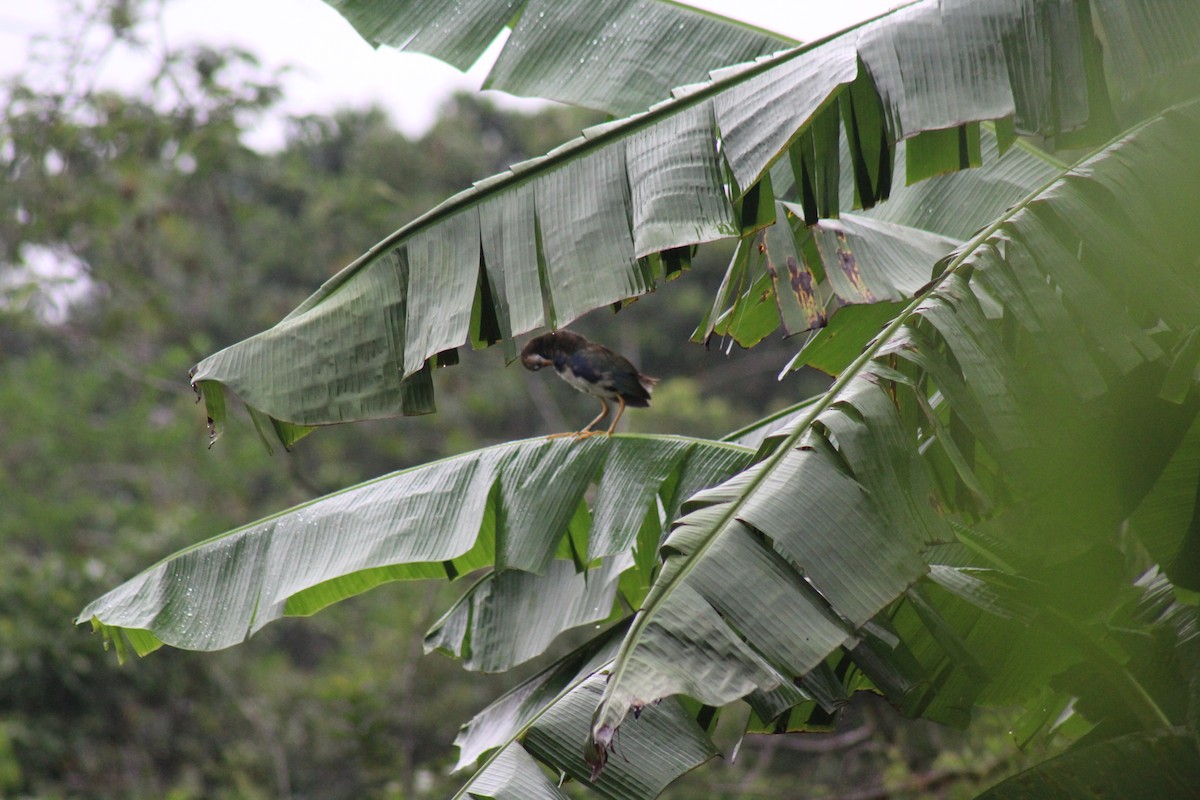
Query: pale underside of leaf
{"points": [[507, 506], [617, 56]]}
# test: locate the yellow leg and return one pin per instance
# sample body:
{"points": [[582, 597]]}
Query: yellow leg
{"points": [[617, 419], [587, 429]]}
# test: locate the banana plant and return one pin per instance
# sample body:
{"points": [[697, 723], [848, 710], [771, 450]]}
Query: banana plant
{"points": [[977, 216]]}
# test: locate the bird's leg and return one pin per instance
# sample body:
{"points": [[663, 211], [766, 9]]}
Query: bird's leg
{"points": [[587, 429], [620, 411]]}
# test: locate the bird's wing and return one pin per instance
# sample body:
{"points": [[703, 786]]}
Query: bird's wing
{"points": [[611, 372], [593, 363]]}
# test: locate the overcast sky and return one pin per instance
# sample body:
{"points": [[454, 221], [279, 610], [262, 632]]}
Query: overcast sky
{"points": [[335, 68]]}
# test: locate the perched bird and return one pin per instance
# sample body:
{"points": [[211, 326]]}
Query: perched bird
{"points": [[591, 368]]}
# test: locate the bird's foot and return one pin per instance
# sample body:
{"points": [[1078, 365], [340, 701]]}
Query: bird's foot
{"points": [[584, 434]]}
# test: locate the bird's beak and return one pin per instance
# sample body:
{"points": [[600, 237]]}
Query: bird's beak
{"points": [[535, 362]]}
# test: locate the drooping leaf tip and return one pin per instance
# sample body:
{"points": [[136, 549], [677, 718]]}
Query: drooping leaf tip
{"points": [[213, 396], [595, 751]]}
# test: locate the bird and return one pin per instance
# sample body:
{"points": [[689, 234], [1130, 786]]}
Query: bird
{"points": [[592, 369]]}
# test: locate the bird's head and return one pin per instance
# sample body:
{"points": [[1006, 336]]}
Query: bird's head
{"points": [[534, 361], [540, 351]]}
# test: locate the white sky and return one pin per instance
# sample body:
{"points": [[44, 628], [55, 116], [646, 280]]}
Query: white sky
{"points": [[334, 68]]}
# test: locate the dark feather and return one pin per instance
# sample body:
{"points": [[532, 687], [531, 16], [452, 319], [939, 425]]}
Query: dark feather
{"points": [[589, 367]]}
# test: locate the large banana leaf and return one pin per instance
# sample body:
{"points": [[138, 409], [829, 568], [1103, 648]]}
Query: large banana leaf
{"points": [[516, 507], [597, 221], [617, 56], [994, 395]]}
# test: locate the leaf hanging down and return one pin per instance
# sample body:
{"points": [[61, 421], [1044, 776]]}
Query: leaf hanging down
{"points": [[843, 278], [514, 775], [958, 204], [561, 233], [511, 616], [1160, 763], [661, 745], [1159, 605], [507, 717], [917, 220], [1152, 45], [548, 714], [802, 276], [971, 636], [966, 641], [617, 56], [509, 506], [946, 643], [666, 740], [973, 401], [1165, 519]]}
